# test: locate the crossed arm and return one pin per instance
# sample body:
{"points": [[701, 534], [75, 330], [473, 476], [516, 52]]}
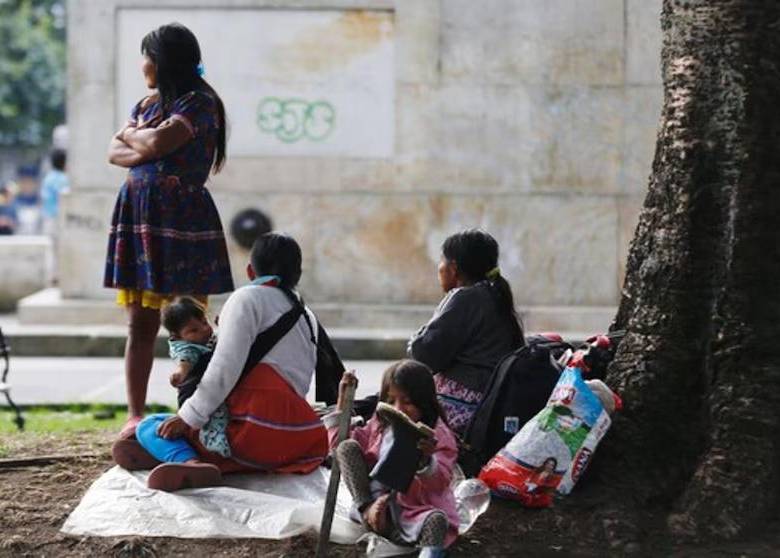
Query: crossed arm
{"points": [[133, 145]]}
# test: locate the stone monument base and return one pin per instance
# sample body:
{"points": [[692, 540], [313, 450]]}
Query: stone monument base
{"points": [[26, 264], [49, 307]]}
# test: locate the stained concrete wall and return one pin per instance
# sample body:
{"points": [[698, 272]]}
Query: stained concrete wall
{"points": [[535, 120]]}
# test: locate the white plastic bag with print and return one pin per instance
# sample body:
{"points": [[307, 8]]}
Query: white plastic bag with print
{"points": [[553, 449]]}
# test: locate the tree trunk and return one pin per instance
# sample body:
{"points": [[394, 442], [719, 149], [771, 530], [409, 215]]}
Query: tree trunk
{"points": [[701, 299]]}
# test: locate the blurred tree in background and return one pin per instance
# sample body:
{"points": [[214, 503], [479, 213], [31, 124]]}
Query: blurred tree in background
{"points": [[32, 71]]}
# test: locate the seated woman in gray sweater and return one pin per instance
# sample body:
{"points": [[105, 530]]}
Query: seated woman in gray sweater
{"points": [[256, 410], [474, 326]]}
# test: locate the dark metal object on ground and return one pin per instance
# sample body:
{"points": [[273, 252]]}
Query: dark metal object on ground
{"points": [[5, 387]]}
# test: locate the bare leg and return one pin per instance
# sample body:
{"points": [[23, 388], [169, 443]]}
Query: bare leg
{"points": [[143, 324], [130, 455]]}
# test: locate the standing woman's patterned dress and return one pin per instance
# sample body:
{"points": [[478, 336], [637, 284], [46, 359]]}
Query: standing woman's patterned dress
{"points": [[166, 237]]}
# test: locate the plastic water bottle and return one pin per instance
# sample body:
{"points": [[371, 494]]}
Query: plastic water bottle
{"points": [[473, 499]]}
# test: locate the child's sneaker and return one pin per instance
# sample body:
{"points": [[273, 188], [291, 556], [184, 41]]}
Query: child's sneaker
{"points": [[170, 477], [130, 455]]}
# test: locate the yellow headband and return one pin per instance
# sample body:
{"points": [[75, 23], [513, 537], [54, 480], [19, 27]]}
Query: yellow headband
{"points": [[493, 274]]}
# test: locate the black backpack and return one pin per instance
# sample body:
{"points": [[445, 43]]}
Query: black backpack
{"points": [[519, 387]]}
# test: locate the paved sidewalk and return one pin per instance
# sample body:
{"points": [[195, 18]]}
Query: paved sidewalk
{"points": [[105, 340], [36, 380]]}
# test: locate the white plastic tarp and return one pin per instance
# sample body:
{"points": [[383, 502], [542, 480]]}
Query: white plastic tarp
{"points": [[247, 506], [257, 506]]}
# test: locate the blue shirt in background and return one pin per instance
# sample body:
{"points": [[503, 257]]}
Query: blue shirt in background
{"points": [[54, 183]]}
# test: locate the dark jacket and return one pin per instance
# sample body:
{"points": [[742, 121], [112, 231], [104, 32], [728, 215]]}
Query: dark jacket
{"points": [[465, 338]]}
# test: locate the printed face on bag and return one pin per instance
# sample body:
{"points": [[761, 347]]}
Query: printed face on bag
{"points": [[196, 331], [400, 400], [549, 465]]}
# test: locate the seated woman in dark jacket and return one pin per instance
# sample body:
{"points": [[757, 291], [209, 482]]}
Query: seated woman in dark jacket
{"points": [[474, 326]]}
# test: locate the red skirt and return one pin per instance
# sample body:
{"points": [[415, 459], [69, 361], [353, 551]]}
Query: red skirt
{"points": [[271, 428]]}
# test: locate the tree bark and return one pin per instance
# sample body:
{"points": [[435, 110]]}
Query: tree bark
{"points": [[701, 300]]}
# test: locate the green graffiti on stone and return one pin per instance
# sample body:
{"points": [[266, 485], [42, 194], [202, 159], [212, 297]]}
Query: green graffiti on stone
{"points": [[291, 120]]}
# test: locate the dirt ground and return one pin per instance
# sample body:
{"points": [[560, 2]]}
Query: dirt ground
{"points": [[35, 499]]}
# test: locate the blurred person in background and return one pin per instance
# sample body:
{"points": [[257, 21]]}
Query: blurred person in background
{"points": [[7, 211], [27, 200], [53, 185]]}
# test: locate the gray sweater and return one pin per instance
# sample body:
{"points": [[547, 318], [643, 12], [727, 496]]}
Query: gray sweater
{"points": [[247, 312], [465, 338]]}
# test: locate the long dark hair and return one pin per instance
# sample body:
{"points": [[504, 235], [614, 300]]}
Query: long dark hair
{"points": [[277, 254], [475, 254], [175, 52], [415, 379]]}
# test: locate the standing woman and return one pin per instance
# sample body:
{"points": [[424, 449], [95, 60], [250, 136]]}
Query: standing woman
{"points": [[166, 236], [474, 326]]}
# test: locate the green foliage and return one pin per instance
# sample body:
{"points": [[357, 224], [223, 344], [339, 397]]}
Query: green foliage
{"points": [[32, 70]]}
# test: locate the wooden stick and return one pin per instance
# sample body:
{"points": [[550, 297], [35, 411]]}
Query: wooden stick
{"points": [[335, 475]]}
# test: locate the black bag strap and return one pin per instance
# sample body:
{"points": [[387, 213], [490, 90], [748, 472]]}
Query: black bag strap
{"points": [[268, 338], [263, 343], [329, 367], [296, 302]]}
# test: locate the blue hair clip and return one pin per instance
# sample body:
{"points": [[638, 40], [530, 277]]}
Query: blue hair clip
{"points": [[201, 69]]}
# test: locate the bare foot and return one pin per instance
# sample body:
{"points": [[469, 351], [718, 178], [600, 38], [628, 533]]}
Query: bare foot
{"points": [[376, 514]]}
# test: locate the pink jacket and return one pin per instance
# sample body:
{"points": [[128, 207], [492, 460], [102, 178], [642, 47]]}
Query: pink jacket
{"points": [[430, 488]]}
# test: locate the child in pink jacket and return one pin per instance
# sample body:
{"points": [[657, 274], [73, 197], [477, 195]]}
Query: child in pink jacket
{"points": [[426, 513]]}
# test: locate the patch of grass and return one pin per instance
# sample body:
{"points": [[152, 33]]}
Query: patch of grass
{"points": [[46, 421], [62, 419]]}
